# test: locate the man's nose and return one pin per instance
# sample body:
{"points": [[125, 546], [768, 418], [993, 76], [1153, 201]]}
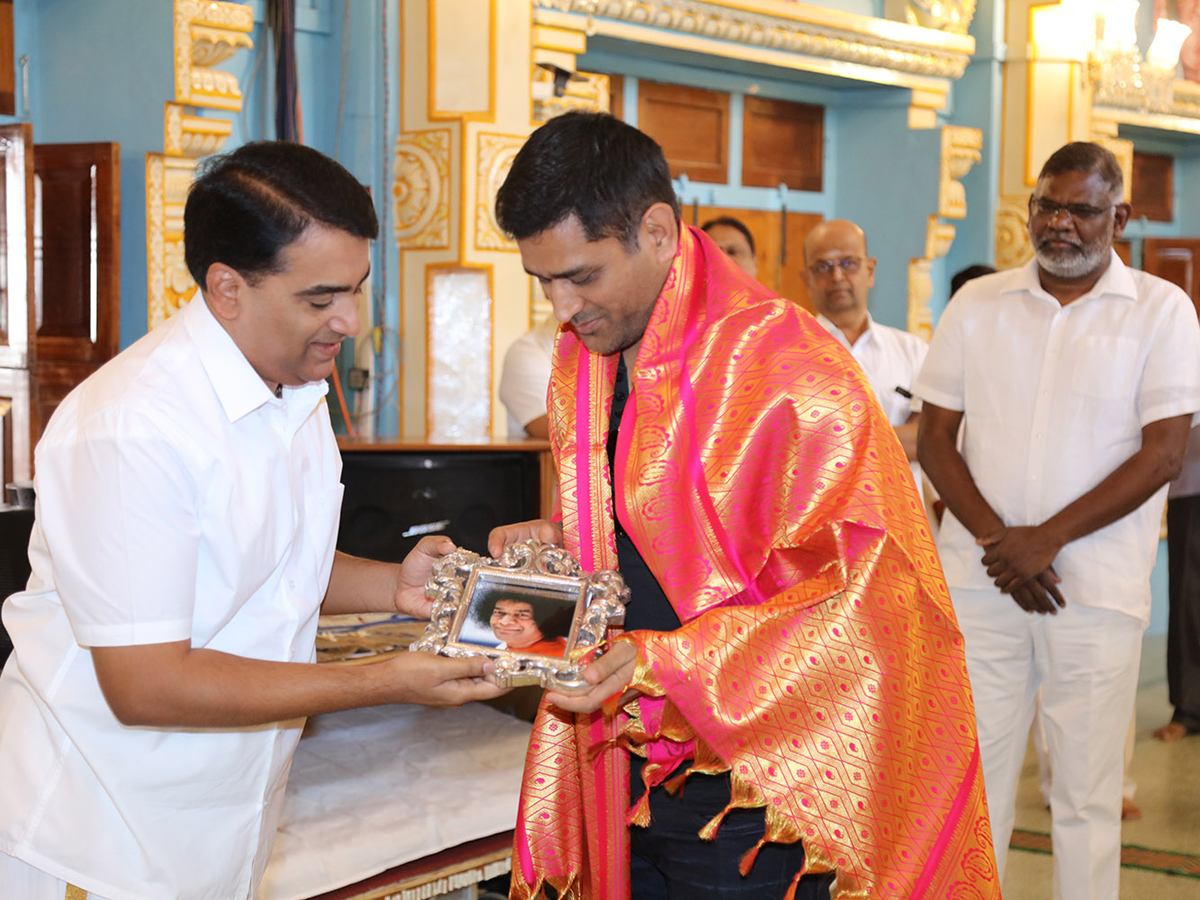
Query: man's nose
{"points": [[346, 319], [565, 301]]}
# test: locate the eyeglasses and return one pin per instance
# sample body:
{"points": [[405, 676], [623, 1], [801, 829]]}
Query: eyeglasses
{"points": [[1076, 212], [848, 264]]}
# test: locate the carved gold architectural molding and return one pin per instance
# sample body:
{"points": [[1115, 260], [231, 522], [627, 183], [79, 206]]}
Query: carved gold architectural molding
{"points": [[795, 35], [495, 155], [421, 189], [207, 32], [960, 149], [193, 136], [1012, 232], [170, 285], [943, 15]]}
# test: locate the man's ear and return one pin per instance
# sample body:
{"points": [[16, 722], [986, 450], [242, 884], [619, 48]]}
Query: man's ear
{"points": [[663, 230], [223, 289], [1120, 218]]}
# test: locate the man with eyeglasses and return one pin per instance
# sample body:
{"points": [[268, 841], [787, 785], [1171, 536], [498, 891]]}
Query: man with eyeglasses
{"points": [[840, 275], [1076, 380]]}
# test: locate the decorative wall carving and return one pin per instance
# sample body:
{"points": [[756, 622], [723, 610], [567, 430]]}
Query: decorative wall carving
{"points": [[943, 15], [961, 149], [207, 32], [170, 285], [421, 189], [811, 31], [495, 156], [1012, 232], [194, 136]]}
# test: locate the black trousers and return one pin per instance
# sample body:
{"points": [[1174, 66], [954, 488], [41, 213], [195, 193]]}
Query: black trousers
{"points": [[670, 862], [1183, 617]]}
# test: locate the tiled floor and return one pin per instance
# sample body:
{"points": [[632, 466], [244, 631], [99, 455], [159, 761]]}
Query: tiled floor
{"points": [[1168, 791]]}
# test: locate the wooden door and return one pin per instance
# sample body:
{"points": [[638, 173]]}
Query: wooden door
{"points": [[1177, 260], [17, 392], [76, 259], [778, 245]]}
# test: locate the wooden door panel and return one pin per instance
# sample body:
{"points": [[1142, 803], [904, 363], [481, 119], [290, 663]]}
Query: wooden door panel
{"points": [[1177, 260], [778, 245], [16, 245], [77, 263]]}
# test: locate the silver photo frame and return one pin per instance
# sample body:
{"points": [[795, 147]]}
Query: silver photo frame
{"points": [[529, 611]]}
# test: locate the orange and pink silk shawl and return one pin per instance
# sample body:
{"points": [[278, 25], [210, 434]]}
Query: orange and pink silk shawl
{"points": [[819, 661]]}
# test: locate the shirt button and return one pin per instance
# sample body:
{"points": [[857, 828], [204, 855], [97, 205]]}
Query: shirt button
{"points": [[292, 585]]}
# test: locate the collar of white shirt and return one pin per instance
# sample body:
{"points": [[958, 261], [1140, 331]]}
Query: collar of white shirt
{"points": [[237, 385], [1115, 282], [837, 332]]}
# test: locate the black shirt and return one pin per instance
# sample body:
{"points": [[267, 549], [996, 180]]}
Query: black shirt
{"points": [[648, 607]]}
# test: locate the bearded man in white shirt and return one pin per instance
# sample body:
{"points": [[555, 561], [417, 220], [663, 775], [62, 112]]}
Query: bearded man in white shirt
{"points": [[188, 498], [840, 274], [1075, 380]]}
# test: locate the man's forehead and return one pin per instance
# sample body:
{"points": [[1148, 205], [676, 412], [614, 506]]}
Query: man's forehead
{"points": [[1075, 181]]}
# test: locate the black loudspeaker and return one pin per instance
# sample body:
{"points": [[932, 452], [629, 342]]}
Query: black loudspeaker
{"points": [[15, 526], [393, 498]]}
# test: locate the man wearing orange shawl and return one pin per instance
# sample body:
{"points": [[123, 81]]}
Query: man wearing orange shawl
{"points": [[806, 656]]}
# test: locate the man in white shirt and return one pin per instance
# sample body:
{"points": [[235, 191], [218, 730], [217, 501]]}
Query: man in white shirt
{"points": [[840, 275], [1075, 380], [187, 507], [525, 378]]}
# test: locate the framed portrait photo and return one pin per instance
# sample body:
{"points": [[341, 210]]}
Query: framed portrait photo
{"points": [[529, 611]]}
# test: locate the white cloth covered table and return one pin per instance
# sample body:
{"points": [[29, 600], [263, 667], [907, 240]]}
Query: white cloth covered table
{"points": [[374, 788]]}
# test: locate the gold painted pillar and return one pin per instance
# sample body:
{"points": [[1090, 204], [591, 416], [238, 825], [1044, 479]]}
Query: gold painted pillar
{"points": [[1047, 103], [207, 32], [469, 76]]}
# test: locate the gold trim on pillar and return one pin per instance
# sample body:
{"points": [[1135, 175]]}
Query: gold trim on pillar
{"points": [[421, 189], [1012, 232], [207, 32], [961, 149], [194, 136], [170, 286], [495, 155]]}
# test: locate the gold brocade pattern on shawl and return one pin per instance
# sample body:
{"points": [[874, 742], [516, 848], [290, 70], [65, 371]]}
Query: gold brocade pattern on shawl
{"points": [[819, 661]]}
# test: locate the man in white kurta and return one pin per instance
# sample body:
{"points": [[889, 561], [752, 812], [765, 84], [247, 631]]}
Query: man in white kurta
{"points": [[187, 505], [840, 274], [1075, 380], [525, 378]]}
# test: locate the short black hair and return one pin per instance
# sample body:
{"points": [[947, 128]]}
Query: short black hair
{"points": [[1084, 156], [731, 222], [246, 206], [962, 276], [589, 165]]}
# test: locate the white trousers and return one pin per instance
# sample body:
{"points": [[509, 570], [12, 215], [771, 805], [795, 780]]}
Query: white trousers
{"points": [[22, 881], [1085, 661]]}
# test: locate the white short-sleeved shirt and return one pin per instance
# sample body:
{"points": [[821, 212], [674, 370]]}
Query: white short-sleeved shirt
{"points": [[177, 499], [890, 358], [1054, 399], [525, 376]]}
